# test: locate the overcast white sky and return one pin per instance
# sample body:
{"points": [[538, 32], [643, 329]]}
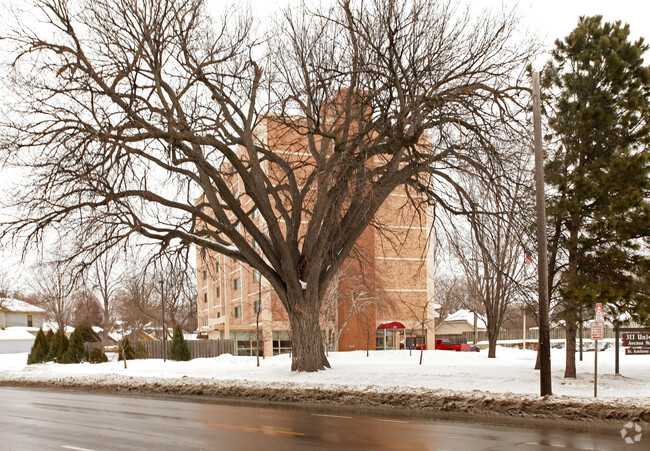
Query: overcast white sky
{"points": [[547, 19]]}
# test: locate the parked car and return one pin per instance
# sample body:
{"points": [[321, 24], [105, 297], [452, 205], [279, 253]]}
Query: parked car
{"points": [[446, 345], [590, 347]]}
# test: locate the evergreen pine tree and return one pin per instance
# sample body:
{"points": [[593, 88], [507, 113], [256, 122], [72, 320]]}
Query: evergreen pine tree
{"points": [[76, 352], [49, 337], [63, 348], [598, 172], [54, 346], [88, 335], [97, 356], [39, 349], [179, 349], [140, 351]]}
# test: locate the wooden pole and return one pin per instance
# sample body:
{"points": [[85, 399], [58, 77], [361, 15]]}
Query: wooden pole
{"points": [[616, 335], [542, 265], [596, 369], [164, 338], [524, 332]]}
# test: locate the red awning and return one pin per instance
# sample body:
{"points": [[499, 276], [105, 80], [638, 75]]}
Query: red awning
{"points": [[392, 325]]}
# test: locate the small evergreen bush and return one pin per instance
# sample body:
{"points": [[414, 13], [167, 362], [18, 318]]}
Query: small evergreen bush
{"points": [[49, 338], [76, 352], [141, 352], [125, 348], [39, 351], [88, 335], [179, 349], [97, 356], [63, 348], [58, 347]]}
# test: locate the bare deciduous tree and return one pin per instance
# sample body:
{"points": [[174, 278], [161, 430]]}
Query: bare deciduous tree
{"points": [[54, 285], [491, 251], [423, 315], [6, 286], [103, 282], [354, 295], [453, 293], [87, 310], [129, 111], [138, 303]]}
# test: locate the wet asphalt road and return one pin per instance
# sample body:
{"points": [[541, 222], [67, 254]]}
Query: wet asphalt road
{"points": [[33, 419]]}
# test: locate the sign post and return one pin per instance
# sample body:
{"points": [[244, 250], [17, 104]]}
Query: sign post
{"points": [[597, 333]]}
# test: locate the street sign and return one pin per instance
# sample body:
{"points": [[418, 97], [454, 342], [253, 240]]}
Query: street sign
{"points": [[599, 313], [597, 330], [636, 339], [637, 351], [597, 333]]}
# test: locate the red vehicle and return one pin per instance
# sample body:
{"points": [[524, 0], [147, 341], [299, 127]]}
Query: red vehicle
{"points": [[446, 345]]}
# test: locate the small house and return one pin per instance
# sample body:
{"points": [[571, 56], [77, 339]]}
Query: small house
{"points": [[459, 322], [17, 313]]}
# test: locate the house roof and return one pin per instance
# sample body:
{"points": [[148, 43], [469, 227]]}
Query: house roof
{"points": [[15, 334], [18, 306], [466, 316], [51, 325]]}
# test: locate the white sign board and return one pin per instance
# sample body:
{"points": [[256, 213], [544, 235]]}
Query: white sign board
{"points": [[599, 313], [597, 330]]}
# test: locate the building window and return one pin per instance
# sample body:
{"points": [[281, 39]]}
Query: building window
{"points": [[216, 266], [256, 306], [245, 343], [218, 293], [281, 343], [205, 297], [236, 284], [238, 311], [205, 320], [30, 320], [205, 274], [256, 276]]}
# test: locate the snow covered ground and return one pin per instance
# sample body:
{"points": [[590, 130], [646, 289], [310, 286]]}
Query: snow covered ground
{"points": [[511, 372]]}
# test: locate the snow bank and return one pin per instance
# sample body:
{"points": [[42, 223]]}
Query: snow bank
{"points": [[507, 383]]}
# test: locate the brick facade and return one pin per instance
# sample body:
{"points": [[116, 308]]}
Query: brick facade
{"points": [[392, 261]]}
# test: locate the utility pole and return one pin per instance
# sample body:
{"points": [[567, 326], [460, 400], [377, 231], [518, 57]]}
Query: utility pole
{"points": [[257, 316], [542, 265], [164, 338]]}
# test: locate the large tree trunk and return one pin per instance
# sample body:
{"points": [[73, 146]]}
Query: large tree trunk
{"points": [[107, 326], [570, 324], [492, 343], [571, 309], [307, 344]]}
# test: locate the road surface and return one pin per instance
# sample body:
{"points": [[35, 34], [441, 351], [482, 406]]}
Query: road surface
{"points": [[33, 419]]}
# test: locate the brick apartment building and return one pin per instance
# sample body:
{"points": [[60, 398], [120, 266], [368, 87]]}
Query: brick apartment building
{"points": [[392, 270]]}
